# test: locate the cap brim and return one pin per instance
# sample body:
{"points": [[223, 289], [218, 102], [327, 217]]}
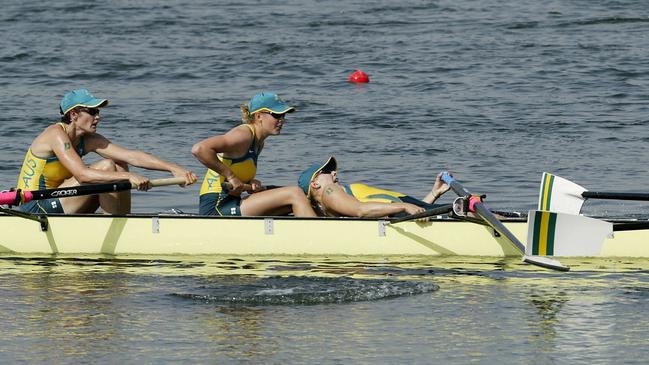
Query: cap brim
{"points": [[330, 165], [92, 103], [279, 109]]}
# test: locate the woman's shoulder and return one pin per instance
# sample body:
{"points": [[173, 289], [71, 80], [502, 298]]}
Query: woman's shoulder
{"points": [[50, 132], [246, 129], [42, 144], [241, 133]]}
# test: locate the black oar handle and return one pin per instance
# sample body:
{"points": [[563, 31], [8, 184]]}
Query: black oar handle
{"points": [[615, 196], [20, 197], [429, 213], [81, 190]]}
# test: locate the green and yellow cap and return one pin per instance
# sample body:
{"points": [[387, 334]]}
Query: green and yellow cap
{"points": [[80, 97], [304, 181], [270, 102]]}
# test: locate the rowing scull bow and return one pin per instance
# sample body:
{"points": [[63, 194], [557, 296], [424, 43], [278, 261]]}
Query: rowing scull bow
{"points": [[476, 205]]}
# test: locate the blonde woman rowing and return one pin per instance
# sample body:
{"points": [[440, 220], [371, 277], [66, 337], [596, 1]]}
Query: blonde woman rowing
{"points": [[232, 158]]}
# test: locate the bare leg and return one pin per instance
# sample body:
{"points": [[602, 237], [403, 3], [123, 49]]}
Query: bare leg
{"points": [[278, 201], [118, 202], [90, 203]]}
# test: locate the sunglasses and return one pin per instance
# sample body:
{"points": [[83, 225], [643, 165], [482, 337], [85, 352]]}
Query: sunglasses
{"points": [[92, 111], [277, 116]]}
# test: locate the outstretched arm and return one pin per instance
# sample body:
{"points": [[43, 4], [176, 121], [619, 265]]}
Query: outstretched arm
{"points": [[107, 149], [62, 148]]}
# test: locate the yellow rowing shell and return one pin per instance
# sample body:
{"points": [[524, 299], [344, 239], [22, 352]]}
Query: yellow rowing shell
{"points": [[195, 235]]}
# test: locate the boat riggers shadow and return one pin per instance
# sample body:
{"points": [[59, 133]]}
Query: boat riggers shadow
{"points": [[476, 206], [33, 217]]}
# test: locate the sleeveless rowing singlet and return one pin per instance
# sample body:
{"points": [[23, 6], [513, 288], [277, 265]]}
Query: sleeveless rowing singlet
{"points": [[39, 173], [366, 193], [244, 167]]}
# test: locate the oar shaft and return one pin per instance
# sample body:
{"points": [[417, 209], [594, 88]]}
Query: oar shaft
{"points": [[247, 187], [483, 212], [429, 213], [493, 221], [615, 196], [77, 191], [12, 197], [165, 182]]}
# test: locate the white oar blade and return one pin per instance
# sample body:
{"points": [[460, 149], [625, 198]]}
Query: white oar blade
{"points": [[545, 262], [560, 195], [560, 234]]}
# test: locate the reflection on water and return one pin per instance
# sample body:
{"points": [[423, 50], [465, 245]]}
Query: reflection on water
{"points": [[288, 309]]}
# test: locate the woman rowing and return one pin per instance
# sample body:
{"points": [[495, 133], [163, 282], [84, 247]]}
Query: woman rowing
{"points": [[54, 161], [231, 159], [320, 184]]}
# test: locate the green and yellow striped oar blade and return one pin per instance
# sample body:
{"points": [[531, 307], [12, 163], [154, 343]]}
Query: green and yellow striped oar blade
{"points": [[560, 234], [560, 195]]}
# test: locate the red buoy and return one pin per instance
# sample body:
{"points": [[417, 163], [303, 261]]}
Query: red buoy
{"points": [[358, 76]]}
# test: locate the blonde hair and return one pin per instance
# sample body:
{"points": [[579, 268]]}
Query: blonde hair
{"points": [[246, 116]]}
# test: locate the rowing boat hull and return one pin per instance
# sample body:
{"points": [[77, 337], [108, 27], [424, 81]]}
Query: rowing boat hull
{"points": [[192, 235]]}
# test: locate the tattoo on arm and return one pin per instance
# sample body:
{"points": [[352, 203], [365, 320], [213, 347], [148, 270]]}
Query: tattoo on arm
{"points": [[67, 146]]}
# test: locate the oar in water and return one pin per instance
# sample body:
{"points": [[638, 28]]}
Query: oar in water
{"points": [[564, 196], [21, 197], [481, 210]]}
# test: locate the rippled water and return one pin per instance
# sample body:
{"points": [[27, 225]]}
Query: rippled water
{"points": [[495, 91], [324, 310]]}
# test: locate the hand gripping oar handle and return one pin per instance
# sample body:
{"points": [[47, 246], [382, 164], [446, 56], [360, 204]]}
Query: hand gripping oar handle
{"points": [[493, 221], [20, 197]]}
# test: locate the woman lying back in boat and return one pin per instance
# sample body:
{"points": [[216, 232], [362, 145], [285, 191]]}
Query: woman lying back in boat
{"points": [[320, 183], [54, 161], [232, 158]]}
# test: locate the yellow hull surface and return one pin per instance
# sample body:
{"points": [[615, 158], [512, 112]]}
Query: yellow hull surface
{"points": [[194, 235]]}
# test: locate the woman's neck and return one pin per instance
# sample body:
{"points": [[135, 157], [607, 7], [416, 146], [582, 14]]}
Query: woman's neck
{"points": [[73, 132], [260, 134]]}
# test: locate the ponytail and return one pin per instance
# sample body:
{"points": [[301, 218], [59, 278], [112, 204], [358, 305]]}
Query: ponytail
{"points": [[246, 116]]}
